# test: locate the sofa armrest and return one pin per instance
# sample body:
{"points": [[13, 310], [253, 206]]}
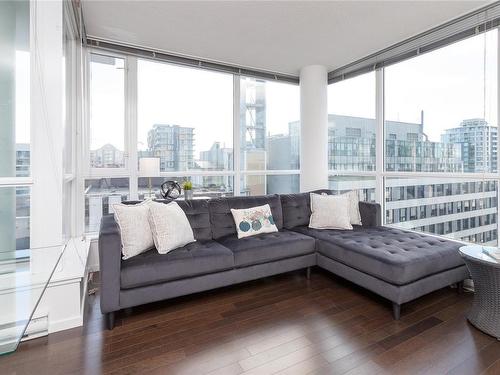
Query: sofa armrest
{"points": [[371, 215], [110, 253]]}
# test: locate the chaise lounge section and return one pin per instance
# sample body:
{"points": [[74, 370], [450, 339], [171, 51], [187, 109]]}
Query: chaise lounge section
{"points": [[396, 264]]}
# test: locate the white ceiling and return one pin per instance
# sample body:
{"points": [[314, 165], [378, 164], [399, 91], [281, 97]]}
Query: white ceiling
{"points": [[279, 36]]}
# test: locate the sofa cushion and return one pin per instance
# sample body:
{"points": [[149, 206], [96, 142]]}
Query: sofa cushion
{"points": [[197, 258], [197, 213], [221, 217], [297, 208], [268, 247], [393, 255]]}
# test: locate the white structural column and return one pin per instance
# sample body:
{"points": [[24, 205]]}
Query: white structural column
{"points": [[314, 128], [46, 123]]}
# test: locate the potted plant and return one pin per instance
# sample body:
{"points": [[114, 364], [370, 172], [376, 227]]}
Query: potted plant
{"points": [[188, 189]]}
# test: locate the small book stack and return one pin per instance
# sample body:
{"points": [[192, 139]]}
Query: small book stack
{"points": [[492, 253]]}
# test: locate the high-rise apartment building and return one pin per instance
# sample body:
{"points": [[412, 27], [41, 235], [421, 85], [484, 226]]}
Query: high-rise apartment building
{"points": [[351, 143], [478, 143], [174, 145], [108, 156], [217, 158]]}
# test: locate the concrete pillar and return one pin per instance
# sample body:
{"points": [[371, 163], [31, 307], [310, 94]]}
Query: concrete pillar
{"points": [[313, 128]]}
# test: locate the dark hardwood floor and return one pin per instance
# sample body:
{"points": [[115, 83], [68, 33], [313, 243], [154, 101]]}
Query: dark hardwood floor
{"points": [[284, 324]]}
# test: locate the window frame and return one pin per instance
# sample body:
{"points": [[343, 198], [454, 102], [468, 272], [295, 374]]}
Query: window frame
{"points": [[127, 123]]}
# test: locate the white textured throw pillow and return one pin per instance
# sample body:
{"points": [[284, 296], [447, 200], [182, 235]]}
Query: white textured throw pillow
{"points": [[134, 228], [354, 213], [329, 212], [254, 220], [170, 226]]}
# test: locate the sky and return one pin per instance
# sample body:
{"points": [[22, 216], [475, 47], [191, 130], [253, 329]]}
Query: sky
{"points": [[447, 84], [169, 94]]}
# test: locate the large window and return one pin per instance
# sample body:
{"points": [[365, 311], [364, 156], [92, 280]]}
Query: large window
{"points": [[269, 125], [191, 120], [185, 117], [441, 109], [440, 116], [269, 136], [107, 112]]}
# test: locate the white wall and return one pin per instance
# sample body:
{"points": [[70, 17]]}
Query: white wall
{"points": [[314, 128]]}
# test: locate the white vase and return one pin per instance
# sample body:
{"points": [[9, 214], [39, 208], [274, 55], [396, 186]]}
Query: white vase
{"points": [[188, 194]]}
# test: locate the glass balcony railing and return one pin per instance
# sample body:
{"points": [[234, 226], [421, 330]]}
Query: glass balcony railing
{"points": [[24, 276]]}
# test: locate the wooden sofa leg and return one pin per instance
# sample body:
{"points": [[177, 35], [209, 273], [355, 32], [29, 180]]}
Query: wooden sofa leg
{"points": [[110, 320], [460, 287], [396, 310], [308, 273]]}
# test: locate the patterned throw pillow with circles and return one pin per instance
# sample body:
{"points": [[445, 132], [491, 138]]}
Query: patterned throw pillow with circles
{"points": [[254, 220]]}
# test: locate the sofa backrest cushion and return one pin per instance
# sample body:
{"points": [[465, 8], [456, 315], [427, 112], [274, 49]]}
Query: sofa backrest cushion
{"points": [[198, 216], [222, 220], [297, 208]]}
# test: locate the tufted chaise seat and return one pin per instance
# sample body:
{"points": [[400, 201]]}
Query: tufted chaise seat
{"points": [[390, 254]]}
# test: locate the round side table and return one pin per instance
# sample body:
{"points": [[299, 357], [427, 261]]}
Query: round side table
{"points": [[485, 271]]}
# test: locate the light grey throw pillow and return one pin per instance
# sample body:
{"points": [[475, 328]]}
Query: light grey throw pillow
{"points": [[170, 226], [354, 214], [134, 228], [329, 212]]}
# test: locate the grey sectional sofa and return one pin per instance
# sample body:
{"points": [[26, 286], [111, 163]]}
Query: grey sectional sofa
{"points": [[396, 264]]}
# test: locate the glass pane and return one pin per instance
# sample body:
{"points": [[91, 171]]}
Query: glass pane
{"points": [[441, 109], [100, 194], [14, 218], [203, 186], [185, 117], [24, 277], [456, 208], [351, 124], [269, 125], [269, 184], [364, 185], [14, 89], [107, 111]]}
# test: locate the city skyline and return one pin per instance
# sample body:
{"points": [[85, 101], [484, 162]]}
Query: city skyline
{"points": [[204, 100], [270, 137]]}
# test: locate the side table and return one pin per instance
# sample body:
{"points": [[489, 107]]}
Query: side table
{"points": [[485, 271]]}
